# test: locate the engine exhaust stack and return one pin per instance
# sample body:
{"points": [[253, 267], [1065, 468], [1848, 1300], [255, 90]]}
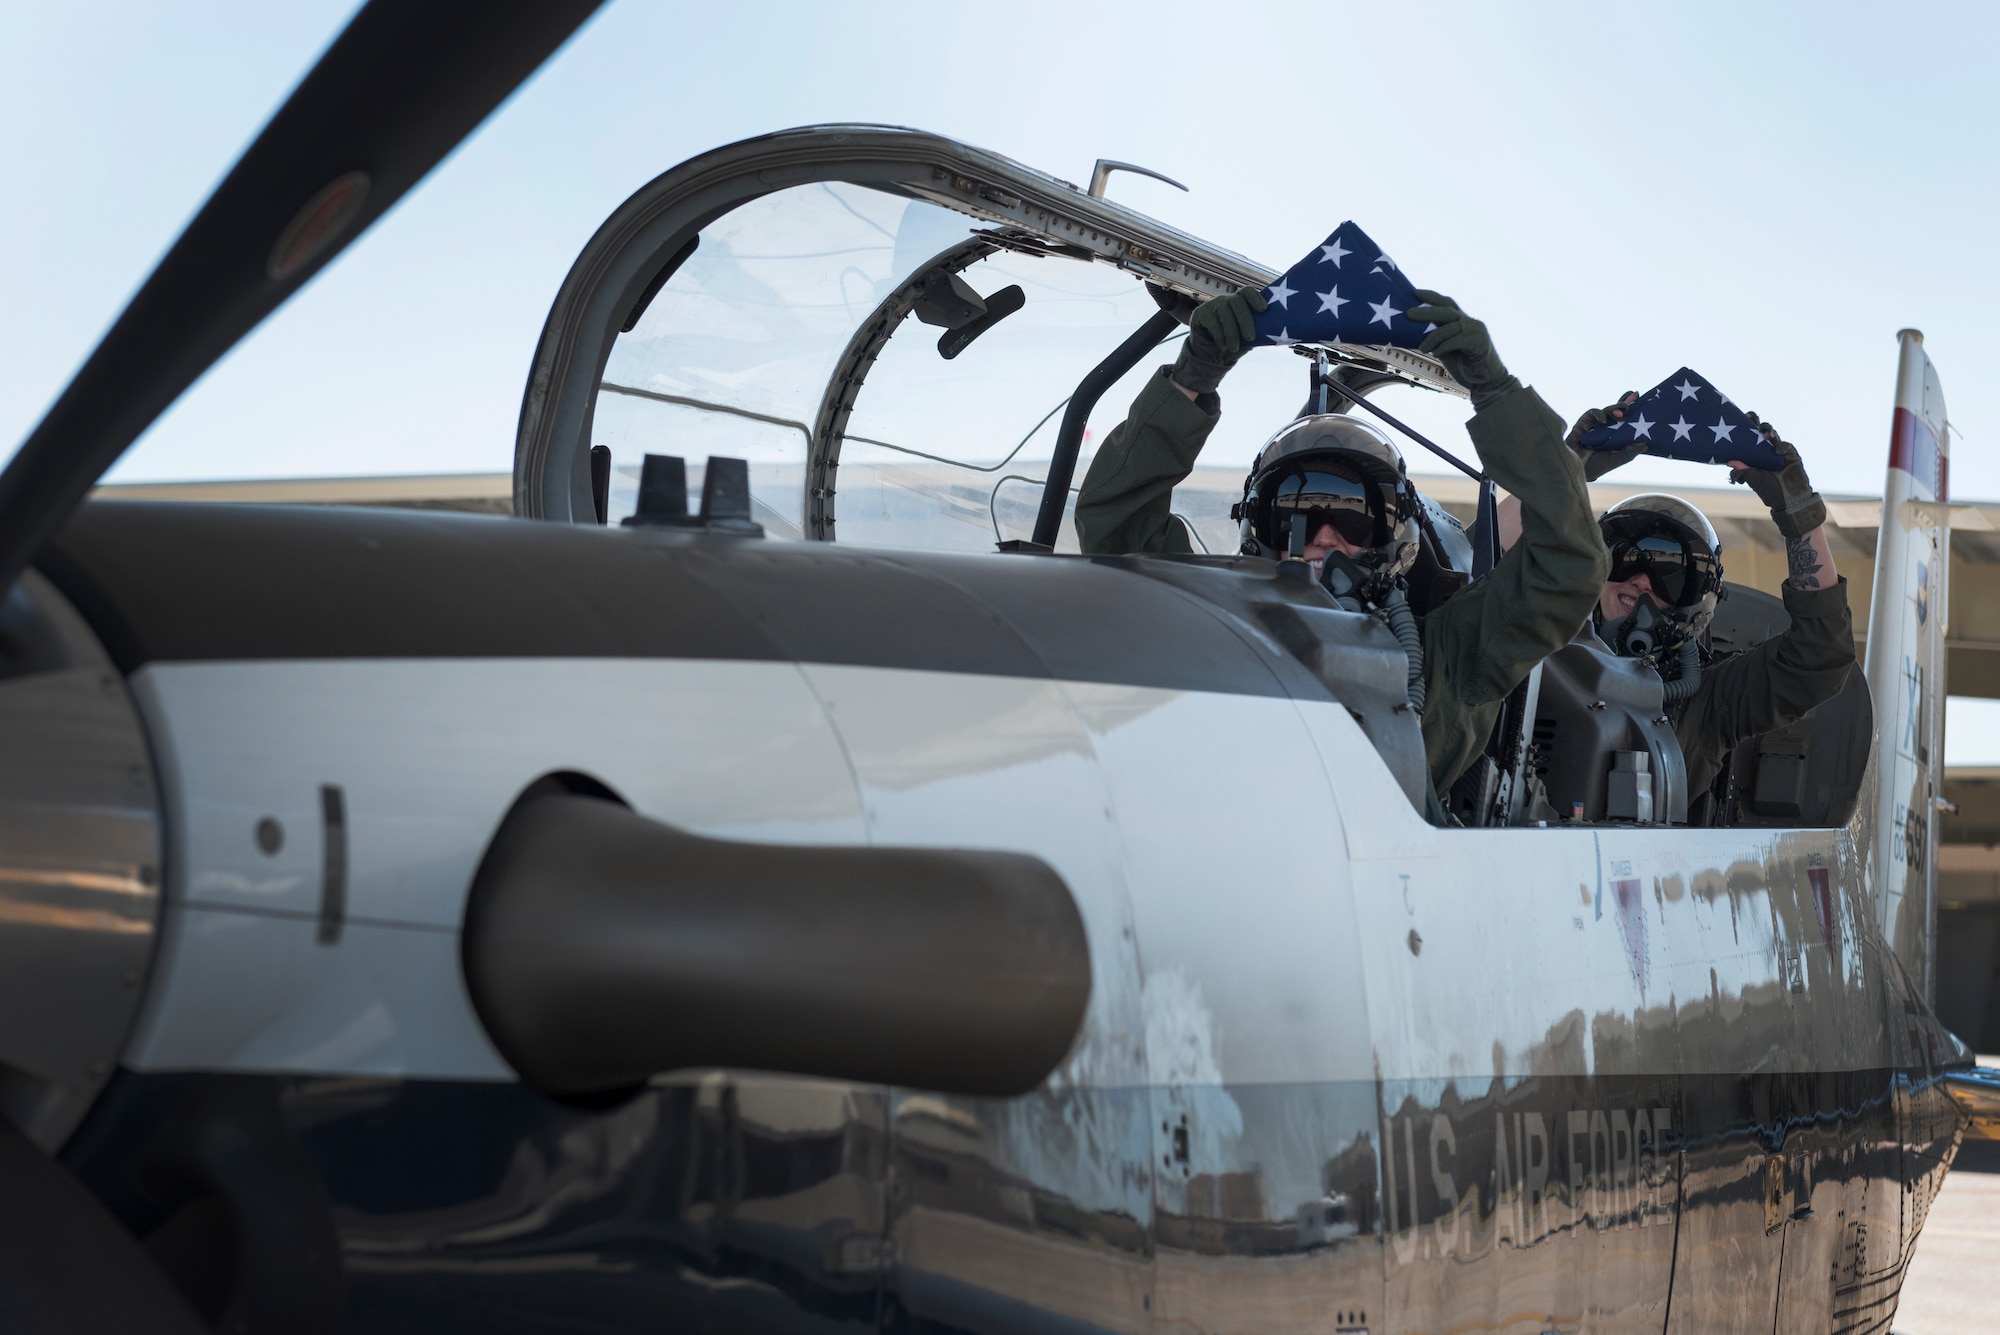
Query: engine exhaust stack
{"points": [[602, 948]]}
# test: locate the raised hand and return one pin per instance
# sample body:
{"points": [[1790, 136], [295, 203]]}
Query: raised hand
{"points": [[1596, 463], [1220, 331], [1465, 348], [1795, 507]]}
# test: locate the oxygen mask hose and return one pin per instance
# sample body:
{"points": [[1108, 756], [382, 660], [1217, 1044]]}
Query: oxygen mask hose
{"points": [[1404, 623], [1356, 589], [1682, 686]]}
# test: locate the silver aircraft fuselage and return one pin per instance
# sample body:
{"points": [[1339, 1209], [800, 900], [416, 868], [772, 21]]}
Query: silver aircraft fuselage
{"points": [[1338, 1067]]}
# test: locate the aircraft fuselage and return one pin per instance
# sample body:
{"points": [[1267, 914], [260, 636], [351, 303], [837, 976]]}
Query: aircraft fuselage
{"points": [[1338, 1067]]}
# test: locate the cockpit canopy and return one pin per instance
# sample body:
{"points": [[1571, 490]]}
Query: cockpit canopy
{"points": [[887, 324]]}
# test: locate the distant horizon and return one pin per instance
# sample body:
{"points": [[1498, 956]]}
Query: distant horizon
{"points": [[1616, 481]]}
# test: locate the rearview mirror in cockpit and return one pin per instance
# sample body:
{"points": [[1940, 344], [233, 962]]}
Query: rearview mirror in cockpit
{"points": [[949, 302], [998, 307]]}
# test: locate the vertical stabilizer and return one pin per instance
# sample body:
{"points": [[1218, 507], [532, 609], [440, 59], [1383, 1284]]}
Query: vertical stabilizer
{"points": [[1906, 659]]}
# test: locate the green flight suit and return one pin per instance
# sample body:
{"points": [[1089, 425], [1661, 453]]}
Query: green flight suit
{"points": [[1769, 686], [1484, 640]]}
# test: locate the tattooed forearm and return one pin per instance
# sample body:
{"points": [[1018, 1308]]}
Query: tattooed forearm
{"points": [[1802, 555]]}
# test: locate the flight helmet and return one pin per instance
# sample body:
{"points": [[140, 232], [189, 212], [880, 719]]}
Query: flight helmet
{"points": [[1675, 547], [1328, 468]]}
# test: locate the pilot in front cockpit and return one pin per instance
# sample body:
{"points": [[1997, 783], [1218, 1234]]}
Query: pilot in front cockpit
{"points": [[1339, 485], [1666, 573]]}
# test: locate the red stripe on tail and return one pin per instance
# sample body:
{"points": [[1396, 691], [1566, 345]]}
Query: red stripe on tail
{"points": [[1913, 447]]}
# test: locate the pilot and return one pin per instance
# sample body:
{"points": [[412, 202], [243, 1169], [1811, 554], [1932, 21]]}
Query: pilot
{"points": [[1477, 646], [1666, 573]]}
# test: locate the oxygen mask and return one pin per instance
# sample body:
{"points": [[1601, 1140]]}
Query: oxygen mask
{"points": [[1646, 630], [1357, 587]]}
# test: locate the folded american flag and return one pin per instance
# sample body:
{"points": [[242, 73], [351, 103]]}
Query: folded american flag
{"points": [[1345, 291], [1685, 417]]}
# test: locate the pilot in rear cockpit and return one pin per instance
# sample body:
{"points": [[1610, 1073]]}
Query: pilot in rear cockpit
{"points": [[1339, 485], [1666, 574]]}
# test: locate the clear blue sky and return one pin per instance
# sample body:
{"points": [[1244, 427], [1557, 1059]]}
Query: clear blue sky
{"points": [[1764, 192]]}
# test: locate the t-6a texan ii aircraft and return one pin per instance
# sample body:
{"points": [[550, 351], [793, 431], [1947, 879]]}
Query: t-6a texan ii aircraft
{"points": [[789, 912]]}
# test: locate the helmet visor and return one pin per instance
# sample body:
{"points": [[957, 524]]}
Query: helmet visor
{"points": [[1325, 494], [1680, 568]]}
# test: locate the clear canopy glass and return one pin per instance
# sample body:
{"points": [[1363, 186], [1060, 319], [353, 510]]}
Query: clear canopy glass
{"points": [[733, 356], [734, 352]]}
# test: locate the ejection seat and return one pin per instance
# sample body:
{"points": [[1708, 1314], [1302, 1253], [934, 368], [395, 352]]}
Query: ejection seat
{"points": [[1603, 746]]}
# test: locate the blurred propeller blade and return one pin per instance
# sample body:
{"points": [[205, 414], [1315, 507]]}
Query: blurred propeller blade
{"points": [[403, 85]]}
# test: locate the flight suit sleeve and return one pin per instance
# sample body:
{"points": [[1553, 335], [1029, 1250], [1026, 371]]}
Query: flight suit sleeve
{"points": [[1488, 636], [1772, 685], [1126, 501]]}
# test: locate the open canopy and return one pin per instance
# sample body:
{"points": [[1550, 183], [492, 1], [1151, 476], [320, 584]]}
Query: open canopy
{"points": [[886, 323]]}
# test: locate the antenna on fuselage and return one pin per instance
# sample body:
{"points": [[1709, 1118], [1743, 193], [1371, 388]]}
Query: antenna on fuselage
{"points": [[1100, 175]]}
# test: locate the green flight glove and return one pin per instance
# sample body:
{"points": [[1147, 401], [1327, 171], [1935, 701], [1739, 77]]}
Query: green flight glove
{"points": [[1219, 332], [1596, 463], [1795, 507], [1465, 348]]}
